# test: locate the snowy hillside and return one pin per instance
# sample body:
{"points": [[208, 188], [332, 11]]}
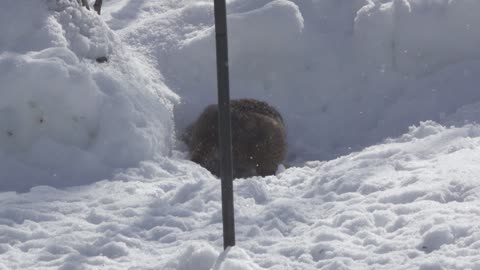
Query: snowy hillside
{"points": [[379, 97]]}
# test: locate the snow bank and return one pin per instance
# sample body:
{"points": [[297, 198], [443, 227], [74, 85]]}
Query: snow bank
{"points": [[344, 74], [418, 37], [65, 119]]}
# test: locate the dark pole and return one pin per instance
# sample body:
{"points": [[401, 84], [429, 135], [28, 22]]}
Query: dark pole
{"points": [[224, 125], [98, 6]]}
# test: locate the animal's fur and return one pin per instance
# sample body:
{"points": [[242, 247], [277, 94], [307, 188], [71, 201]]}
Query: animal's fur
{"points": [[258, 138]]}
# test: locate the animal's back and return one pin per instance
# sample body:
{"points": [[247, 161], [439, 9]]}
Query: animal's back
{"points": [[258, 138]]}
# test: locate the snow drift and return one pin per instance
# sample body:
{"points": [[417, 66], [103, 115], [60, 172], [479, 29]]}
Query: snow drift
{"points": [[65, 119]]}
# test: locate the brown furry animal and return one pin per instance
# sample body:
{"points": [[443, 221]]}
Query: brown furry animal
{"points": [[258, 138]]}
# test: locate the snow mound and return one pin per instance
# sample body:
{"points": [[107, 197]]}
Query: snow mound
{"points": [[65, 119], [235, 258]]}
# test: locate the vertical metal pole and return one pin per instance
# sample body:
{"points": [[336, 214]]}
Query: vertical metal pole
{"points": [[98, 6], [224, 124]]}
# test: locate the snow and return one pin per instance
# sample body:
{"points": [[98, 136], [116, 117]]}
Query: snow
{"points": [[411, 203], [380, 102], [63, 116]]}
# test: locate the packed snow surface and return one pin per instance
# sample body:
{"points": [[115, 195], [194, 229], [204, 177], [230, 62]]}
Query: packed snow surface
{"points": [[380, 98], [411, 203]]}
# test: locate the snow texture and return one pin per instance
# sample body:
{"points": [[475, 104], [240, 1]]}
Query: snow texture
{"points": [[380, 101]]}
